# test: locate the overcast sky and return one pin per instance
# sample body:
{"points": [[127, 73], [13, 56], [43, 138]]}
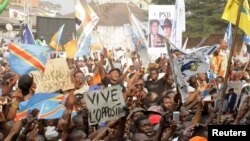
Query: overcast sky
{"points": [[67, 5]]}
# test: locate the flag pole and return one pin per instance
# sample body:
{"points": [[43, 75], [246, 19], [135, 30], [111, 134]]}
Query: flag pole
{"points": [[97, 33], [221, 98], [167, 45]]}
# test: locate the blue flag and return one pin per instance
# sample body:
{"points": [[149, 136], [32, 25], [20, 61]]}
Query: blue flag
{"points": [[24, 58], [36, 98], [210, 76], [51, 110], [84, 50], [27, 37], [228, 36], [35, 102], [60, 31], [247, 39], [137, 40]]}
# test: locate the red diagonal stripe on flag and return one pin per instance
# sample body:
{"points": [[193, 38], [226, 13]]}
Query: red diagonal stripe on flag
{"points": [[26, 57]]}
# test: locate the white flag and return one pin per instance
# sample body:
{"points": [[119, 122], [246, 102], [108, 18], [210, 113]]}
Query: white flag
{"points": [[180, 12], [205, 51], [181, 83], [180, 22], [86, 20], [196, 61]]}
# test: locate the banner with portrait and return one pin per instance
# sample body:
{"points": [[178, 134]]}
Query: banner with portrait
{"points": [[160, 26]]}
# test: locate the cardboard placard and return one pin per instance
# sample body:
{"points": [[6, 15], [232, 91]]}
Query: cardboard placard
{"points": [[56, 76], [105, 104], [37, 76]]}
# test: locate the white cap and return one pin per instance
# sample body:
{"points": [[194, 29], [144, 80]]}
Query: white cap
{"points": [[51, 133]]}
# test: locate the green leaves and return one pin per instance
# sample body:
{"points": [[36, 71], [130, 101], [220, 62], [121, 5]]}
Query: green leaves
{"points": [[3, 5]]}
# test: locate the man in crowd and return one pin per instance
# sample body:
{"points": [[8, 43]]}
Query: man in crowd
{"points": [[219, 62]]}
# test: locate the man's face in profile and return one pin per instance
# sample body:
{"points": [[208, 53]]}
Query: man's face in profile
{"points": [[154, 28], [167, 31]]}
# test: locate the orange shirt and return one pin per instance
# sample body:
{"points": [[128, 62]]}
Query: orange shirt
{"points": [[96, 78], [219, 64]]}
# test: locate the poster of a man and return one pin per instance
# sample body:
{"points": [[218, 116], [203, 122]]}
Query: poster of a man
{"points": [[155, 39], [160, 27], [167, 28]]}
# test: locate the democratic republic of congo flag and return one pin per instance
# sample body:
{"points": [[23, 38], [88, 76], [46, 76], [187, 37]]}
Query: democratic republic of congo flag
{"points": [[35, 102], [24, 58], [51, 110]]}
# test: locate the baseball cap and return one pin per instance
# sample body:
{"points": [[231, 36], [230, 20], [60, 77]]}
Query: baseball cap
{"points": [[156, 109], [134, 111], [154, 119], [51, 133]]}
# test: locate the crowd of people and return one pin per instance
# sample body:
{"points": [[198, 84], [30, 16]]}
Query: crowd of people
{"points": [[154, 107]]}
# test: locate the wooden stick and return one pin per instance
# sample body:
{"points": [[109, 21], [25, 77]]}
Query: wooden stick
{"points": [[221, 98]]}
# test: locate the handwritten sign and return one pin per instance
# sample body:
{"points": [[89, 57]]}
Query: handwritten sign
{"points": [[237, 86], [37, 76], [56, 76], [104, 105]]}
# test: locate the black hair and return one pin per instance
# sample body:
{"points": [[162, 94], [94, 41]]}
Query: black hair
{"points": [[153, 69], [6, 77], [115, 69], [166, 96], [121, 139], [76, 118], [74, 130], [14, 138], [24, 83], [138, 120], [78, 71], [200, 131]]}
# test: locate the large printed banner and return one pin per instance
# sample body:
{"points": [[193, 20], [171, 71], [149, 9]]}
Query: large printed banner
{"points": [[105, 104], [161, 26]]}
